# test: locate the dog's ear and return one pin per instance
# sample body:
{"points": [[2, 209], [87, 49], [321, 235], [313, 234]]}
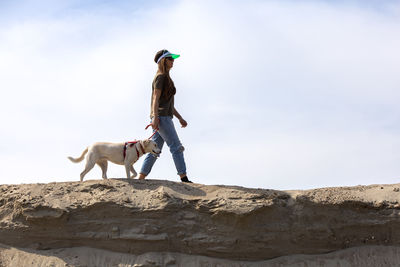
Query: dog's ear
{"points": [[146, 142]]}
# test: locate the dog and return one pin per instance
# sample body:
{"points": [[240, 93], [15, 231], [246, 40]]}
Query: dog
{"points": [[119, 153]]}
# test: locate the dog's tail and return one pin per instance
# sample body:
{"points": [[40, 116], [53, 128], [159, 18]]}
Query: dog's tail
{"points": [[80, 158]]}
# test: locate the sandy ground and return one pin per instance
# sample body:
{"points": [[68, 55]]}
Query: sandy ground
{"points": [[119, 222]]}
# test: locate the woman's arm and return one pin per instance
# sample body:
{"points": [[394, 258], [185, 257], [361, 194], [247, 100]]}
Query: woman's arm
{"points": [[179, 117], [154, 107]]}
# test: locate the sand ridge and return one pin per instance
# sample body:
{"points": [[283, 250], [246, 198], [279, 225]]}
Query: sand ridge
{"points": [[213, 221]]}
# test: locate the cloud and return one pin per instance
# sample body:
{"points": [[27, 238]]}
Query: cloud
{"points": [[277, 94]]}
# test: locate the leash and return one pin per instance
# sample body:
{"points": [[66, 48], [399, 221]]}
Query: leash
{"points": [[156, 130]]}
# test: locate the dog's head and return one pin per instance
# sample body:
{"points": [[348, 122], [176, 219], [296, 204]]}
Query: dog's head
{"points": [[151, 147]]}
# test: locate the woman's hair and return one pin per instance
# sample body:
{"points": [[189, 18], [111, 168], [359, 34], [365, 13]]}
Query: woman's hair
{"points": [[159, 54], [169, 88]]}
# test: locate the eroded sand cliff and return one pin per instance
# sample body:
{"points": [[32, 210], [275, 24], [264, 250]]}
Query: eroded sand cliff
{"points": [[121, 222]]}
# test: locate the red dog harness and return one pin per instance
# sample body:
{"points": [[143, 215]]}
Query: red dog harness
{"points": [[131, 144]]}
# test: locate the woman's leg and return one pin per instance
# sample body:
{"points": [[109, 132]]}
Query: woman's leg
{"points": [[150, 159], [169, 135]]}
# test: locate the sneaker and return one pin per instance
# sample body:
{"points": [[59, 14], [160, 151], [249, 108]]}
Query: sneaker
{"points": [[185, 180]]}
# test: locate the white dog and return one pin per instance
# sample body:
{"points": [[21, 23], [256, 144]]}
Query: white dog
{"points": [[119, 153]]}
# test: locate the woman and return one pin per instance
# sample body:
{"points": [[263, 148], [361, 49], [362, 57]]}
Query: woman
{"points": [[162, 112]]}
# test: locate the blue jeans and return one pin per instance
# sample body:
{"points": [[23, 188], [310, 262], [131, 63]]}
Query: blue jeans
{"points": [[166, 133]]}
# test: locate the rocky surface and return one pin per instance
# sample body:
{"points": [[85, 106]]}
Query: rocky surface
{"points": [[208, 223]]}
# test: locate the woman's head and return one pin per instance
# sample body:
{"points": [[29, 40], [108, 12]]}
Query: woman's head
{"points": [[165, 60]]}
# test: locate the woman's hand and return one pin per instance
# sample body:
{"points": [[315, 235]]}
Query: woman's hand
{"points": [[155, 122], [183, 122], [179, 117]]}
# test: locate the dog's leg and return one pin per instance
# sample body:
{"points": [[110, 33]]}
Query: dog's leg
{"points": [[128, 171], [103, 165], [90, 162], [89, 166], [134, 172]]}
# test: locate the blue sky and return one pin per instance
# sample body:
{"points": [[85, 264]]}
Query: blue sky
{"points": [[277, 94]]}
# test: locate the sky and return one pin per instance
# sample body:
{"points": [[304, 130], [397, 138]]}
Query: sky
{"points": [[277, 94]]}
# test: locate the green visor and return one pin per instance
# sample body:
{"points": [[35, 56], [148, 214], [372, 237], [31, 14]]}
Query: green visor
{"points": [[168, 54], [174, 56]]}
